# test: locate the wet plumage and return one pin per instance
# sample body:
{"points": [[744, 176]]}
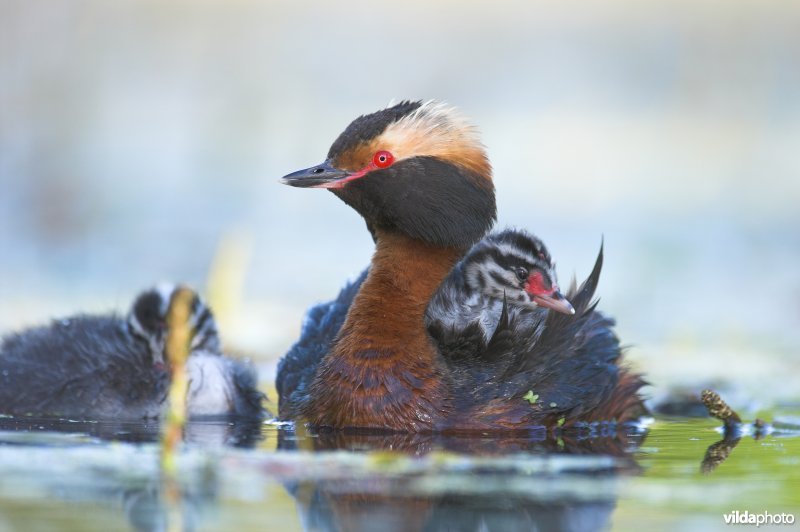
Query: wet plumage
{"points": [[112, 367]]}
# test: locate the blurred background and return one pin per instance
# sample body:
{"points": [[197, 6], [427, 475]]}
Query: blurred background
{"points": [[142, 141]]}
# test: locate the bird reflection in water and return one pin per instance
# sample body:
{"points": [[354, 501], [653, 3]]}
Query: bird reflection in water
{"points": [[147, 501], [207, 433], [495, 482]]}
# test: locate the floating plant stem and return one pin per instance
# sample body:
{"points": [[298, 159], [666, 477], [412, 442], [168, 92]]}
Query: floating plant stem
{"points": [[227, 275], [178, 339], [179, 336], [719, 409], [719, 452]]}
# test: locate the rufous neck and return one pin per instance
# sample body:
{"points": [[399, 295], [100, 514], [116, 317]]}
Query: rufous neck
{"points": [[383, 354], [404, 275]]}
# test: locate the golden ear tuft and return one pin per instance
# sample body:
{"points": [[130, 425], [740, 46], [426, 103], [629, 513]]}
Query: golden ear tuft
{"points": [[436, 129]]}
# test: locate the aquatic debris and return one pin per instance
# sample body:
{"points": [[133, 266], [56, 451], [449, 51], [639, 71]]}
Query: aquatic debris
{"points": [[719, 409], [531, 397], [227, 275], [179, 337], [734, 426], [733, 430], [718, 453]]}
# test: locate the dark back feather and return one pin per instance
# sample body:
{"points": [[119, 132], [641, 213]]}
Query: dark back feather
{"points": [[320, 327], [502, 340], [572, 366], [82, 367]]}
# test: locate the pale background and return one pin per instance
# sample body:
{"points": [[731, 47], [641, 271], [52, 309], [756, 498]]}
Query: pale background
{"points": [[139, 140]]}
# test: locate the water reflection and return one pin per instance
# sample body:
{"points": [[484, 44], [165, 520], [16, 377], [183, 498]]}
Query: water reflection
{"points": [[349, 481], [208, 433], [718, 452], [58, 474], [151, 507], [553, 490], [79, 462], [596, 439]]}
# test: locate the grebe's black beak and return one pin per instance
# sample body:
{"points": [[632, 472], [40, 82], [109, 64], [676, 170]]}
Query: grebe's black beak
{"points": [[555, 301], [320, 176]]}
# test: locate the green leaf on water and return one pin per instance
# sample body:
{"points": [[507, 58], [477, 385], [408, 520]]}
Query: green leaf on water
{"points": [[531, 397]]}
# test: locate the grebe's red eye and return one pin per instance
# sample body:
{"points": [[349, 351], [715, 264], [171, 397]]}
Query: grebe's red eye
{"points": [[382, 159]]}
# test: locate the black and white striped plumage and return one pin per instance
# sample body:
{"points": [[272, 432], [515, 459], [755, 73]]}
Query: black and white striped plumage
{"points": [[499, 265], [106, 366], [148, 321], [495, 272]]}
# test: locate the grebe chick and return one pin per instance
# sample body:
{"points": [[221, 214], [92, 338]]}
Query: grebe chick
{"points": [[147, 320], [510, 269], [108, 367]]}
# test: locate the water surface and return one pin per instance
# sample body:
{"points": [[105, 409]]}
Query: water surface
{"points": [[105, 476]]}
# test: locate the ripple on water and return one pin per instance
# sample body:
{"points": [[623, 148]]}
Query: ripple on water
{"points": [[276, 477]]}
